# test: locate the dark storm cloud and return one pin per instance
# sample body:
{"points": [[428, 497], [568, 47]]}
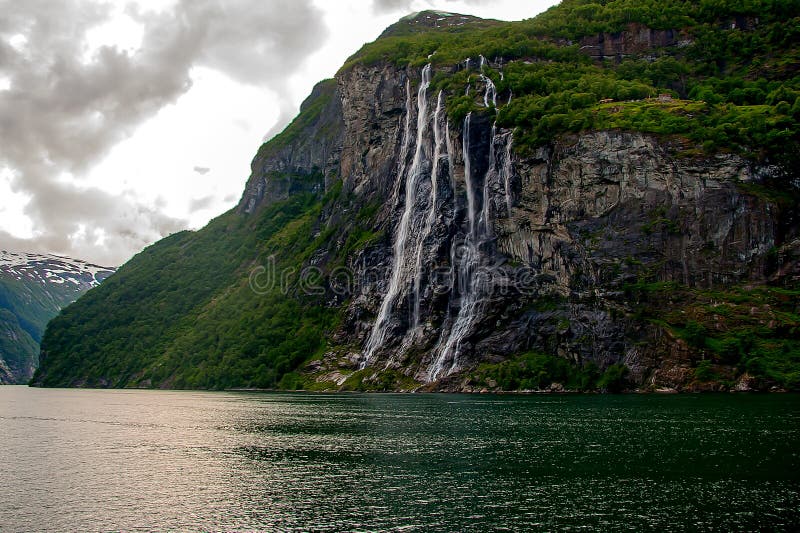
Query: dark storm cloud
{"points": [[62, 113]]}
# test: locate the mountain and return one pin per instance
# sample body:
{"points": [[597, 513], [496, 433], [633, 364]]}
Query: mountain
{"points": [[33, 289], [603, 197]]}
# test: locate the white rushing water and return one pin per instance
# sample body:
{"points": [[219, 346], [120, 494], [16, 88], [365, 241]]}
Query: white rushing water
{"points": [[506, 171], [404, 232], [474, 285], [439, 143], [424, 172], [470, 281], [490, 93], [468, 175], [491, 173], [405, 144]]}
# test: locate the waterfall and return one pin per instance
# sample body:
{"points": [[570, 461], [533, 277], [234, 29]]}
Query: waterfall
{"points": [[505, 171], [485, 226], [450, 167], [491, 91], [470, 286], [470, 282], [474, 285], [468, 175], [439, 140], [404, 231], [449, 155], [405, 143]]}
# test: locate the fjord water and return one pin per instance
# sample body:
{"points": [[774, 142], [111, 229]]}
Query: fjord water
{"points": [[90, 460]]}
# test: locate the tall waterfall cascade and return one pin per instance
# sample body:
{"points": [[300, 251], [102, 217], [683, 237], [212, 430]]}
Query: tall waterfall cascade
{"points": [[473, 280], [404, 234], [439, 124], [420, 178]]}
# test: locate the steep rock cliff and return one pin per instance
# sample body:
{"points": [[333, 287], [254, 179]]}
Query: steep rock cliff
{"points": [[308, 151]]}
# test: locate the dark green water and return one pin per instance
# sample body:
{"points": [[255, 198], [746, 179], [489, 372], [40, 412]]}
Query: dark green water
{"points": [[83, 460]]}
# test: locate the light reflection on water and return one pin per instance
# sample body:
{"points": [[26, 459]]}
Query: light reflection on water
{"points": [[89, 460]]}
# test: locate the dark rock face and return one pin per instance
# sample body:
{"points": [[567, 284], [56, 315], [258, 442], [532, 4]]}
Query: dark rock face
{"points": [[649, 202], [599, 211], [374, 109], [635, 40], [556, 236], [308, 157]]}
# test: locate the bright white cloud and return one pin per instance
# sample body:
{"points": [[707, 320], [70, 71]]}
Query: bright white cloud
{"points": [[12, 209], [120, 31], [66, 110]]}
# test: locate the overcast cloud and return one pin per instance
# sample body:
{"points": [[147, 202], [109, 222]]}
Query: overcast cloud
{"points": [[62, 112]]}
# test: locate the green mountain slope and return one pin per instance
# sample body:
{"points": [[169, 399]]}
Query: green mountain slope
{"points": [[251, 300], [182, 314]]}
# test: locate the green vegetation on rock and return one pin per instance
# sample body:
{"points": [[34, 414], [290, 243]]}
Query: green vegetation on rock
{"points": [[537, 371], [750, 329], [183, 313], [731, 72]]}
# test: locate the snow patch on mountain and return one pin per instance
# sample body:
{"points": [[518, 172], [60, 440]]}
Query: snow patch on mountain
{"points": [[52, 269]]}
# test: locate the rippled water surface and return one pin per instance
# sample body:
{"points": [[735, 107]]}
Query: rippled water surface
{"points": [[91, 460]]}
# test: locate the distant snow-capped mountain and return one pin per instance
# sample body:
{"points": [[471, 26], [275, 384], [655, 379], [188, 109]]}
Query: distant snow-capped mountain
{"points": [[52, 269], [33, 289]]}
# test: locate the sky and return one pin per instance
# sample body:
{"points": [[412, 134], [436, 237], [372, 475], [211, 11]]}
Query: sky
{"points": [[122, 122]]}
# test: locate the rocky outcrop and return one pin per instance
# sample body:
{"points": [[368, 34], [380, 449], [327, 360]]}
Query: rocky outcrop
{"points": [[374, 111], [6, 374], [609, 196], [635, 40], [307, 157]]}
